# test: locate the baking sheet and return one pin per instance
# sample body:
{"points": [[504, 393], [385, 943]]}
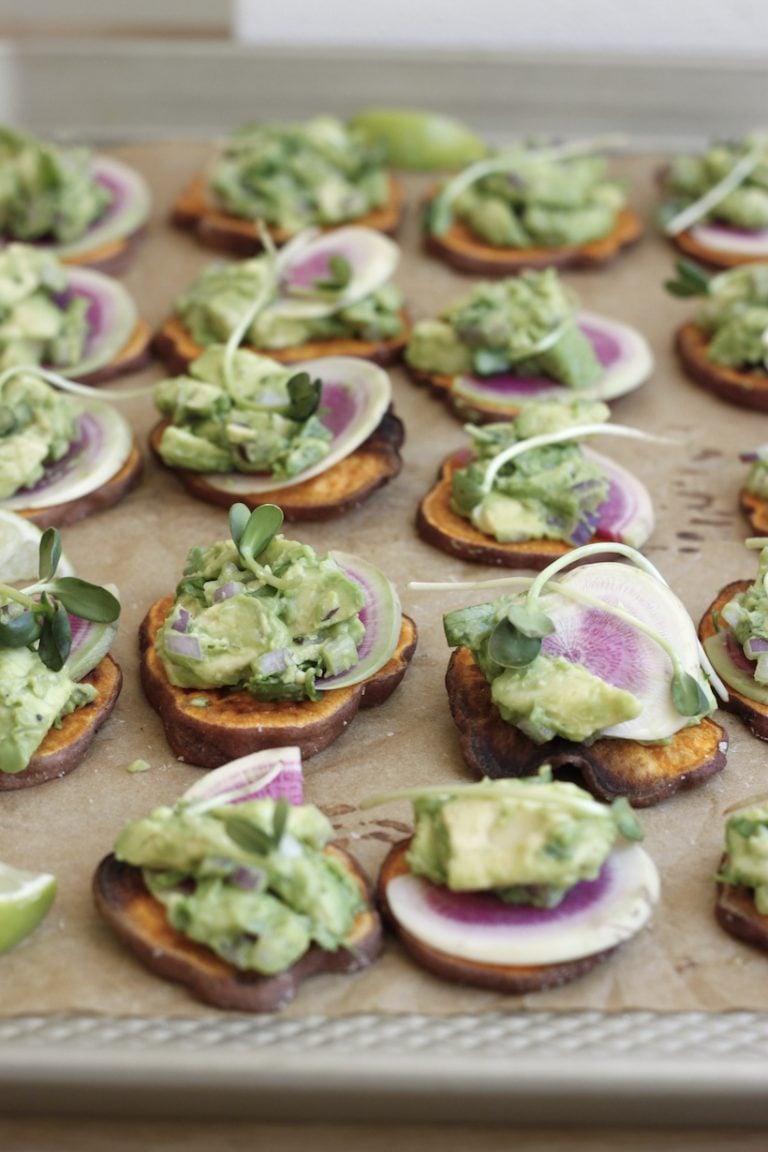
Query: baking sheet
{"points": [[71, 989]]}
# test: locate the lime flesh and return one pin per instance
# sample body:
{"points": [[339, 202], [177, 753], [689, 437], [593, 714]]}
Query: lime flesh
{"points": [[25, 898]]}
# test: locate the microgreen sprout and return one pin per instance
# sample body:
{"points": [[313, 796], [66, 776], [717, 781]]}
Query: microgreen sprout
{"points": [[37, 617], [440, 215], [253, 530], [67, 385], [251, 837], [692, 280]]}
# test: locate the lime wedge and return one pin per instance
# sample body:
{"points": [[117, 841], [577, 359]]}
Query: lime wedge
{"points": [[420, 140], [19, 542], [25, 897]]}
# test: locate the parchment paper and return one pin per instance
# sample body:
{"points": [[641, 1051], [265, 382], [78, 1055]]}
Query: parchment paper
{"points": [[683, 961]]}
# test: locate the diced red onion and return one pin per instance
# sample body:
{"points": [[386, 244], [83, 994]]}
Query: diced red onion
{"points": [[226, 591], [181, 623], [181, 645], [249, 879], [273, 662], [755, 646]]}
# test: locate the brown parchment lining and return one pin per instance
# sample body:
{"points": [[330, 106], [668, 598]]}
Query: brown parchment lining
{"points": [[683, 961]]}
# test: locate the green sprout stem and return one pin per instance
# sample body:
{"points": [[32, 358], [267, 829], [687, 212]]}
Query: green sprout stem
{"points": [[66, 385], [732, 179], [258, 304], [565, 434], [510, 163]]}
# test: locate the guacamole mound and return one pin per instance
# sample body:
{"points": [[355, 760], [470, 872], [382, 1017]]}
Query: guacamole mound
{"points": [[257, 891], [542, 200], [553, 492], [46, 192], [746, 848], [37, 426], [689, 177], [215, 303], [272, 627], [243, 420], [528, 840], [526, 325], [295, 175], [734, 317], [747, 616], [39, 324]]}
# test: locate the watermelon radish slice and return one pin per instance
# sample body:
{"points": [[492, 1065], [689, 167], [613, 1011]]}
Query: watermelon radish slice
{"points": [[355, 396], [381, 615], [112, 318], [90, 643], [594, 916], [273, 772], [624, 354], [103, 445], [371, 257], [125, 215], [726, 238], [627, 512], [618, 652]]}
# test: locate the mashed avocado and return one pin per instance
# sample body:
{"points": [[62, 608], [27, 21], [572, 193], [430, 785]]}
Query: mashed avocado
{"points": [[46, 192], [257, 891], [689, 177], [214, 305], [734, 316], [37, 426], [526, 325], [39, 323], [32, 699], [272, 627], [529, 840], [747, 616], [295, 175], [746, 848], [545, 696], [551, 492], [246, 420], [541, 200]]}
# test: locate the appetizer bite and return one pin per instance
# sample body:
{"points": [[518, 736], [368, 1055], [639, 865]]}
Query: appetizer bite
{"points": [[723, 348], [516, 885], [741, 906], [753, 494], [318, 439], [238, 891], [734, 632], [87, 209], [288, 177], [598, 671], [325, 294], [63, 454], [58, 683], [507, 344], [715, 205], [528, 491], [72, 319], [268, 643], [531, 207]]}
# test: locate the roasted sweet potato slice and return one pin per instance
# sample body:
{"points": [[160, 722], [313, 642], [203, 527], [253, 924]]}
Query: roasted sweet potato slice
{"points": [[208, 727], [438, 524], [464, 250], [494, 977], [196, 211], [752, 712], [736, 912], [174, 345], [748, 389], [344, 486], [688, 243], [644, 773], [63, 748], [109, 494], [755, 508], [140, 922]]}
